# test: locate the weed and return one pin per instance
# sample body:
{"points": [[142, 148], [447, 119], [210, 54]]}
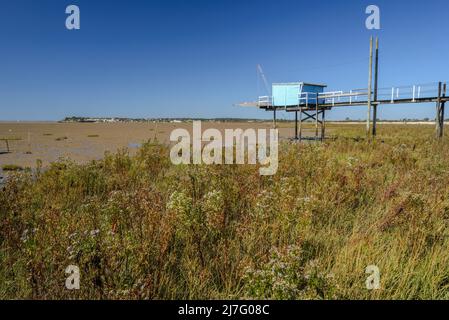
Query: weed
{"points": [[139, 227]]}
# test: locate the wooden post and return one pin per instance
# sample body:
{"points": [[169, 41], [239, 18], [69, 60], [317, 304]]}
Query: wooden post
{"points": [[316, 118], [296, 125], [370, 76], [7, 145], [274, 118], [442, 110], [323, 125], [29, 143], [438, 127], [376, 73], [300, 124]]}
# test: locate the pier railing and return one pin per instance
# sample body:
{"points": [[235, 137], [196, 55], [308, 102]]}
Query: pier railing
{"points": [[411, 94]]}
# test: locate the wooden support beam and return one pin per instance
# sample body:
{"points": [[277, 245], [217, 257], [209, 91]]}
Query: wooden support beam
{"points": [[296, 125], [300, 122], [316, 118], [376, 78], [359, 103], [439, 116], [370, 77], [323, 125], [274, 118], [311, 116], [443, 94], [442, 120]]}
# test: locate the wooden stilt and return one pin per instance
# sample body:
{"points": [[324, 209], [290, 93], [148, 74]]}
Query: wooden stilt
{"points": [[376, 74], [438, 115], [274, 118], [323, 125], [370, 71], [374, 130], [438, 119], [443, 94], [316, 118], [296, 125], [442, 110], [300, 124], [442, 120]]}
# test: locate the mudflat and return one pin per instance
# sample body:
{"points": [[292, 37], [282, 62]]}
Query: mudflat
{"points": [[83, 142]]}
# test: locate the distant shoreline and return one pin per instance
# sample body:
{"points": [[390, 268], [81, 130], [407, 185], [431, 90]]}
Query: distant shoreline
{"points": [[220, 120]]}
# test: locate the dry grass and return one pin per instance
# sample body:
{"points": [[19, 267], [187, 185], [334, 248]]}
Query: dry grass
{"points": [[11, 167], [141, 228]]}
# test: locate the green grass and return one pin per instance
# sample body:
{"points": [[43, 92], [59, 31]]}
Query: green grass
{"points": [[93, 136], [139, 227]]}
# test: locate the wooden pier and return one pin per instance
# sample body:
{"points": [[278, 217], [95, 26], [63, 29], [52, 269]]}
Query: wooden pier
{"points": [[313, 106]]}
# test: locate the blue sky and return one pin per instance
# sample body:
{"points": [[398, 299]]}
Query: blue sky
{"points": [[197, 58]]}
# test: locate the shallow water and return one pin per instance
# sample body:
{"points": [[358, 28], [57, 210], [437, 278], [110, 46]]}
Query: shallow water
{"points": [[134, 145]]}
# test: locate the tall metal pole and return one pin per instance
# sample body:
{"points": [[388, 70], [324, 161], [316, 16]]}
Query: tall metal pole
{"points": [[376, 74], [370, 77]]}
